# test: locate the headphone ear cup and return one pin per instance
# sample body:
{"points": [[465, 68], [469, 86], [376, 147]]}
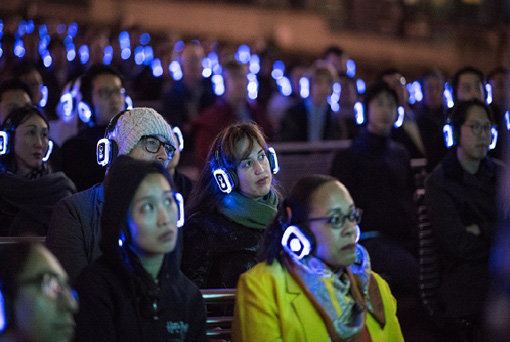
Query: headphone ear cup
{"points": [[224, 180], [6, 311], [273, 160], [4, 142], [297, 243], [449, 135], [359, 113], [85, 112]]}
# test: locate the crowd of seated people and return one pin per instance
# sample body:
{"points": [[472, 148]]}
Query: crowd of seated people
{"points": [[85, 103]]}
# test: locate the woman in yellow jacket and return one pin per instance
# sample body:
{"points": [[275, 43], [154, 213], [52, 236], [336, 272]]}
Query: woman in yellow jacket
{"points": [[315, 281]]}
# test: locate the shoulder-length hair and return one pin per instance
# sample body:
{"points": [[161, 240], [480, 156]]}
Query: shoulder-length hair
{"points": [[223, 152]]}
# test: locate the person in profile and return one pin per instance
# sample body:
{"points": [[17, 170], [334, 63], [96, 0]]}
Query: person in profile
{"points": [[135, 291], [37, 304], [314, 282]]}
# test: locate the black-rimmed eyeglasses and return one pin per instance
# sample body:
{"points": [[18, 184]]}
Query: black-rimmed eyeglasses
{"points": [[337, 221], [152, 145]]}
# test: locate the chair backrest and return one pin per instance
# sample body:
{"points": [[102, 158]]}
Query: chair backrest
{"points": [[219, 327], [429, 266]]}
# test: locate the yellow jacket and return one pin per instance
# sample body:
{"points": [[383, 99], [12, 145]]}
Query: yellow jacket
{"points": [[270, 306]]}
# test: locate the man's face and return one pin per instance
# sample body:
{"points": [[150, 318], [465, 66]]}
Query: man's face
{"points": [[191, 62], [107, 97], [475, 134], [34, 81], [433, 92], [235, 86], [500, 85], [11, 100], [469, 87]]}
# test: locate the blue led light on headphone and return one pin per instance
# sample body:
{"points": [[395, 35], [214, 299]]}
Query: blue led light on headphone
{"points": [[66, 100], [148, 55], [179, 46], [304, 87], [145, 38], [278, 70], [351, 68], [48, 152], [507, 120], [107, 55], [296, 243], [180, 138], [84, 112], [3, 320], [84, 54], [243, 54], [4, 143], [218, 85], [175, 70], [448, 95], [179, 200], [19, 48], [254, 64], [157, 68], [400, 119], [122, 239], [253, 86], [359, 113], [488, 89], [275, 165], [494, 138], [284, 86], [129, 102], [448, 134], [47, 60], [104, 152], [223, 180], [44, 96], [72, 30]]}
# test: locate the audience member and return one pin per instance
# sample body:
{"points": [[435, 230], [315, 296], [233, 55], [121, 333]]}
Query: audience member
{"points": [[378, 173], [461, 201], [500, 86], [28, 188], [231, 108], [135, 291], [102, 90], [314, 282], [230, 206], [312, 118], [74, 232], [348, 98], [37, 302], [431, 116], [467, 84], [13, 94]]}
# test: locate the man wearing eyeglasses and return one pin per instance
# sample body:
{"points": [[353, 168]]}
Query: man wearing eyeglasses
{"points": [[103, 91], [461, 201], [74, 230]]}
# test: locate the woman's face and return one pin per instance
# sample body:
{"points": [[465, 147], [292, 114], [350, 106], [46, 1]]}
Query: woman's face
{"points": [[254, 172], [44, 306], [30, 144], [153, 217], [382, 113], [336, 246]]}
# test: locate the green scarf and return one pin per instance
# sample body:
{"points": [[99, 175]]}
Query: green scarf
{"points": [[249, 212]]}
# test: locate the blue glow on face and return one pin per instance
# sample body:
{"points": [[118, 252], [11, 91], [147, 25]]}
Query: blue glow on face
{"points": [[488, 89], [361, 86], [278, 70], [157, 68], [175, 70], [84, 54], [72, 29], [400, 118], [179, 46], [61, 28], [71, 52], [448, 95], [19, 48], [107, 55], [304, 87], [243, 54], [145, 38], [218, 85], [284, 86], [351, 68], [254, 64], [139, 55], [148, 54], [44, 95]]}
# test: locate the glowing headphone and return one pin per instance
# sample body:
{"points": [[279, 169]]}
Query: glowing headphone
{"points": [[179, 201], [361, 117], [180, 139], [106, 148], [298, 242], [3, 313], [449, 135], [85, 110], [227, 179]]}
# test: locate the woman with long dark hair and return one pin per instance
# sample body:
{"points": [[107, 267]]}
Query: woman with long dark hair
{"points": [[230, 206], [135, 290]]}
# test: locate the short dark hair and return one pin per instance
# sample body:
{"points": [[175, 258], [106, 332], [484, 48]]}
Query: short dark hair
{"points": [[88, 78], [460, 111], [14, 84], [374, 90], [466, 70], [333, 50], [299, 202], [24, 68]]}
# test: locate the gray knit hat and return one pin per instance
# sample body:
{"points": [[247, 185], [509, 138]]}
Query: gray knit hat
{"points": [[138, 122]]}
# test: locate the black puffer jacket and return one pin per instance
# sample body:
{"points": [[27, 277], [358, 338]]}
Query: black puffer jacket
{"points": [[216, 250]]}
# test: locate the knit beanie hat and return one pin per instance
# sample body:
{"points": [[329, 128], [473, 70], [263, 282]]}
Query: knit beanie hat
{"points": [[136, 123]]}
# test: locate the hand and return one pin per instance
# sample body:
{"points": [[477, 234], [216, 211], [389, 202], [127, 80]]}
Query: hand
{"points": [[473, 229]]}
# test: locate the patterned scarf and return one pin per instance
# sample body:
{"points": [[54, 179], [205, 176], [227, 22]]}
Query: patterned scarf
{"points": [[249, 212], [341, 299]]}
